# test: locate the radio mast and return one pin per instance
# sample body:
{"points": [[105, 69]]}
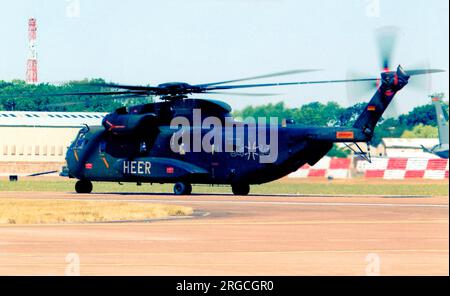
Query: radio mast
{"points": [[32, 76]]}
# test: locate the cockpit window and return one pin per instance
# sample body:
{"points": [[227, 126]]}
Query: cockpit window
{"points": [[81, 140]]}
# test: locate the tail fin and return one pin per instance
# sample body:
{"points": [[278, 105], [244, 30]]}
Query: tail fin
{"points": [[442, 121], [391, 83]]}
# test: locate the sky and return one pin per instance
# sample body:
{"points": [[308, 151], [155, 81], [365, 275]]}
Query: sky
{"points": [[200, 41]]}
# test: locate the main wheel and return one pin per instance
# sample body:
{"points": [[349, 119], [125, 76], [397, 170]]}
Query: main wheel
{"points": [[83, 186], [240, 189], [182, 188]]}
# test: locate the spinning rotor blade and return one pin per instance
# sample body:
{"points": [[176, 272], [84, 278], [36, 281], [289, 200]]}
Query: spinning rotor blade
{"points": [[358, 91], [169, 90], [365, 80], [386, 40], [362, 91]]}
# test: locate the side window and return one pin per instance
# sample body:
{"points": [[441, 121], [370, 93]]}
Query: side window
{"points": [[143, 147], [102, 147]]}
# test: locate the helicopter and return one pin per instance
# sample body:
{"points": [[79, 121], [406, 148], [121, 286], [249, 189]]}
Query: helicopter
{"points": [[183, 141], [135, 144]]}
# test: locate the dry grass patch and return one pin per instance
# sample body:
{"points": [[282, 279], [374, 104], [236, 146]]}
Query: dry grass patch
{"points": [[22, 211]]}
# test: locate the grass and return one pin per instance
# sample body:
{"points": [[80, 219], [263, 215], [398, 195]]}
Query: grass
{"points": [[285, 186], [23, 211]]}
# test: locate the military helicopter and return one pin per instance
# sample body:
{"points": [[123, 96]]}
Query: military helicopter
{"points": [[441, 149], [141, 144], [134, 144]]}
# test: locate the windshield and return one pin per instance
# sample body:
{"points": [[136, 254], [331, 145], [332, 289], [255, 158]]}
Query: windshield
{"points": [[81, 140]]}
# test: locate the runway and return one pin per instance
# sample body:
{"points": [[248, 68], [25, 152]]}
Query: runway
{"points": [[255, 235]]}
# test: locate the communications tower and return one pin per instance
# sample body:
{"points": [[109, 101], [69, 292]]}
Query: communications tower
{"points": [[32, 76]]}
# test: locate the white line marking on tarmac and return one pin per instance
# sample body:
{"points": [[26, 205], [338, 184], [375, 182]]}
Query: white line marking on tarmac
{"points": [[343, 204]]}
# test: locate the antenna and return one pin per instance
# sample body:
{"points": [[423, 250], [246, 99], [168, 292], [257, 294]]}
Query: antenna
{"points": [[32, 76]]}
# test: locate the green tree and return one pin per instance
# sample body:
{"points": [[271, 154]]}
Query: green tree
{"points": [[19, 96], [388, 128], [348, 116], [421, 131], [338, 152], [425, 115]]}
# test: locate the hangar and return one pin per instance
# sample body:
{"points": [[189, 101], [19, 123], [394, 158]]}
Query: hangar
{"points": [[409, 148], [33, 142]]}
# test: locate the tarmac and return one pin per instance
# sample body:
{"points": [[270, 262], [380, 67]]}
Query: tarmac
{"points": [[228, 235]]}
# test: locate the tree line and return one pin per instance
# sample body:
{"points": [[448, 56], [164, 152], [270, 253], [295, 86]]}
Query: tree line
{"points": [[19, 96], [418, 123]]}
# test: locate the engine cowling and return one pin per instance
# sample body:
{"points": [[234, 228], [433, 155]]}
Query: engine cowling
{"points": [[128, 123]]}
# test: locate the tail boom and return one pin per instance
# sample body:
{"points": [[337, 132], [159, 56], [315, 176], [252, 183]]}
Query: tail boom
{"points": [[391, 83]]}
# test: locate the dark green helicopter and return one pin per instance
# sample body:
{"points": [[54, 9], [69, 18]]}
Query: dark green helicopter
{"points": [[141, 144], [196, 141]]}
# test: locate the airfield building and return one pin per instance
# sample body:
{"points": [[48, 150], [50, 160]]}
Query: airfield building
{"points": [[34, 142], [409, 148]]}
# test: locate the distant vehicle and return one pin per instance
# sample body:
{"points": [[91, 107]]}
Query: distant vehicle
{"points": [[441, 149]]}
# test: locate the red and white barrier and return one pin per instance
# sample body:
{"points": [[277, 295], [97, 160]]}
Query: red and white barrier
{"points": [[405, 168], [338, 168], [382, 168]]}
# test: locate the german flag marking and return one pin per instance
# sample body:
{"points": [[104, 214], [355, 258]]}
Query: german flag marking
{"points": [[371, 108], [345, 135], [389, 93]]}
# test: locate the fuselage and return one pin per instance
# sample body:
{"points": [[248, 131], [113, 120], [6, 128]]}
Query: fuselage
{"points": [[97, 155], [191, 141]]}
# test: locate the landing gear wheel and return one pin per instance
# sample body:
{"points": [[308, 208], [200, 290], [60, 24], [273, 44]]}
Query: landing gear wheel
{"points": [[182, 188], [83, 186], [240, 189]]}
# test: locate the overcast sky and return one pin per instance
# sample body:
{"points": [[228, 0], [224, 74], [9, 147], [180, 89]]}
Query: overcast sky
{"points": [[200, 41]]}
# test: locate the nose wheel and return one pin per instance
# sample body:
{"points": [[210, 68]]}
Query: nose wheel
{"points": [[182, 188], [240, 189], [83, 186]]}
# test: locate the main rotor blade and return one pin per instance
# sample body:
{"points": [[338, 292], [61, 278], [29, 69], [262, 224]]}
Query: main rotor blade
{"points": [[409, 72], [43, 95], [423, 71], [74, 103], [128, 87], [242, 94], [287, 84], [109, 93], [284, 73]]}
